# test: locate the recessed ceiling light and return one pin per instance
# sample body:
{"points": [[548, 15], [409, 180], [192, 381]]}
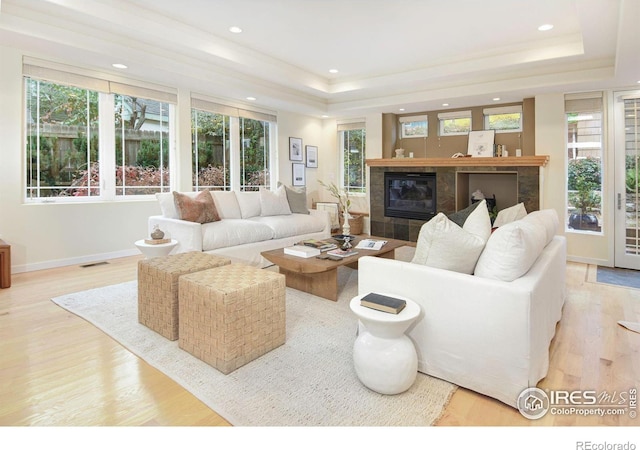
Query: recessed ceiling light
{"points": [[496, 99], [445, 104], [119, 66], [401, 109], [545, 27], [235, 30], [324, 116], [333, 70], [251, 99]]}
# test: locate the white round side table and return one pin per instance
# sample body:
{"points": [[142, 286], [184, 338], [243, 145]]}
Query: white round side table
{"points": [[385, 359], [152, 250]]}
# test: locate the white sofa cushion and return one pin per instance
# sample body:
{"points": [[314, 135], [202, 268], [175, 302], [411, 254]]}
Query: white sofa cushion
{"points": [[511, 250], [227, 204], [547, 219], [510, 214], [274, 203], [231, 232], [292, 225], [249, 204], [445, 245]]}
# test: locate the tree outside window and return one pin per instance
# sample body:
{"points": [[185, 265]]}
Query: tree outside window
{"points": [[353, 160]]}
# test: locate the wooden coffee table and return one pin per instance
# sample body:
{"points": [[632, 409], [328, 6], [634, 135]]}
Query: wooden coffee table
{"points": [[320, 276]]}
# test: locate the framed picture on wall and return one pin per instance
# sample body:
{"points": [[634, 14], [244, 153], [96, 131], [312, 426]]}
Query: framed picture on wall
{"points": [[481, 143], [298, 174], [295, 149], [312, 155]]}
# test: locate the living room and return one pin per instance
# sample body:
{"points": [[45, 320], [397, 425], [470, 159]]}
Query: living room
{"points": [[593, 50]]}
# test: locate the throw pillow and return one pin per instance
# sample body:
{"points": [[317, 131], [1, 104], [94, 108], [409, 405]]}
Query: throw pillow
{"points": [[274, 203], [547, 219], [297, 198], [478, 222], [200, 209], [445, 245], [511, 214], [460, 216], [249, 204], [511, 251], [227, 204]]}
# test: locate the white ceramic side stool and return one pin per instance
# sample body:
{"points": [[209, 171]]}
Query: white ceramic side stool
{"points": [[152, 250], [385, 359]]}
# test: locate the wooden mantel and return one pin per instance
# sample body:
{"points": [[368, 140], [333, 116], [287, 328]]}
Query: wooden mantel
{"points": [[509, 161]]}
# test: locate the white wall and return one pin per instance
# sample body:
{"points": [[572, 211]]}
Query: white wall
{"points": [[551, 140]]}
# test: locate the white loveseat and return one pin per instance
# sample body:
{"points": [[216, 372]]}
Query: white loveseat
{"points": [[489, 331], [250, 223]]}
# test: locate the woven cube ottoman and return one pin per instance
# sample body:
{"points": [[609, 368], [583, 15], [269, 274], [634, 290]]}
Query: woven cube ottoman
{"points": [[231, 315], [158, 288]]}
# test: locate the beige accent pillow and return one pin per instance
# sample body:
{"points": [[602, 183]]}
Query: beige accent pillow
{"points": [[443, 244], [510, 214], [200, 209], [274, 203], [511, 250], [249, 203]]}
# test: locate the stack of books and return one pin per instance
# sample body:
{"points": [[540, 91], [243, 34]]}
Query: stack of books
{"points": [[301, 251], [323, 246], [383, 303]]}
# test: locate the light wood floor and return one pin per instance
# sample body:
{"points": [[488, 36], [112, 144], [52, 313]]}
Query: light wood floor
{"points": [[57, 369]]}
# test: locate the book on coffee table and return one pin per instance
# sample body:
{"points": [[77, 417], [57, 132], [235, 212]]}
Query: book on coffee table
{"points": [[341, 253], [323, 246], [383, 303], [301, 251]]}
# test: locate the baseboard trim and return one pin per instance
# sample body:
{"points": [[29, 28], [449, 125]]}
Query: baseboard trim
{"points": [[73, 261]]}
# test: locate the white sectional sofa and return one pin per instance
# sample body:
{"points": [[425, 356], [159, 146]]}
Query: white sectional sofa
{"points": [[488, 331], [250, 223]]}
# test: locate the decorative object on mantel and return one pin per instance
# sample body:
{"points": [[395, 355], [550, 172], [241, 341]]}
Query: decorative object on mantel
{"points": [[481, 143], [157, 233], [399, 153], [343, 201]]}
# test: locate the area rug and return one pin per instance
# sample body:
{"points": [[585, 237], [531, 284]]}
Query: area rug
{"points": [[619, 277], [309, 381]]}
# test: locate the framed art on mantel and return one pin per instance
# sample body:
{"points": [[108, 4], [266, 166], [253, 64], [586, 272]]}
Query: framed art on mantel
{"points": [[298, 174], [312, 155], [481, 143], [295, 149]]}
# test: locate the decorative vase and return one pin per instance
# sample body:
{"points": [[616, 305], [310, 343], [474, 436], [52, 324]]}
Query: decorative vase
{"points": [[399, 153], [346, 229], [157, 233]]}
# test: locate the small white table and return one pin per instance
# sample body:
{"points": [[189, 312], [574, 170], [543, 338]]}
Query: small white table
{"points": [[153, 250], [385, 359]]}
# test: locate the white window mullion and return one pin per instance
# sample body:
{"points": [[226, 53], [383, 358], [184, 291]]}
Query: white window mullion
{"points": [[107, 138], [234, 131]]}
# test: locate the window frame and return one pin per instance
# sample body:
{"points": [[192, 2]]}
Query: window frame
{"points": [[347, 128], [454, 115], [502, 110], [106, 161], [406, 121]]}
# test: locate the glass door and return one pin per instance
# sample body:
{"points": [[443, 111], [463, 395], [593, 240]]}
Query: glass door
{"points": [[627, 180]]}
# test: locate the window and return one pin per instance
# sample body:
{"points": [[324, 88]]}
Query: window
{"points": [[232, 148], [507, 119], [254, 154], [62, 148], [142, 145], [454, 123], [584, 163], [352, 147], [211, 150], [414, 126], [89, 137]]}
